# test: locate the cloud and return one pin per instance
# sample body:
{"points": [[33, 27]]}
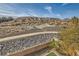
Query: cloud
{"points": [[13, 10], [64, 4], [31, 12], [7, 10], [49, 8], [51, 13], [59, 16]]}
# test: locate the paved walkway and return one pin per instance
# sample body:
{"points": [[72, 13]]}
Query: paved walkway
{"points": [[26, 35]]}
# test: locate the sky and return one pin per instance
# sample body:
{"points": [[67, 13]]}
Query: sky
{"points": [[56, 10]]}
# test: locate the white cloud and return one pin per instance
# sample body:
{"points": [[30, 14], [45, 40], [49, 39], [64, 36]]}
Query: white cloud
{"points": [[31, 12], [7, 10], [64, 4], [11, 10], [49, 8], [58, 15], [51, 13]]}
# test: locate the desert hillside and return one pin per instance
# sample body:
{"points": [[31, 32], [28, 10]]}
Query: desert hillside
{"points": [[14, 26]]}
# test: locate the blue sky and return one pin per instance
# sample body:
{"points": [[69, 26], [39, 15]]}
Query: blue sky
{"points": [[59, 10]]}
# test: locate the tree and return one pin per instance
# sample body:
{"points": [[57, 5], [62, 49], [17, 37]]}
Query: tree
{"points": [[10, 19], [75, 21], [6, 19]]}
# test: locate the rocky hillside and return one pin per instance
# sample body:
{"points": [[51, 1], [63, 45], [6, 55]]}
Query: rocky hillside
{"points": [[23, 25]]}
